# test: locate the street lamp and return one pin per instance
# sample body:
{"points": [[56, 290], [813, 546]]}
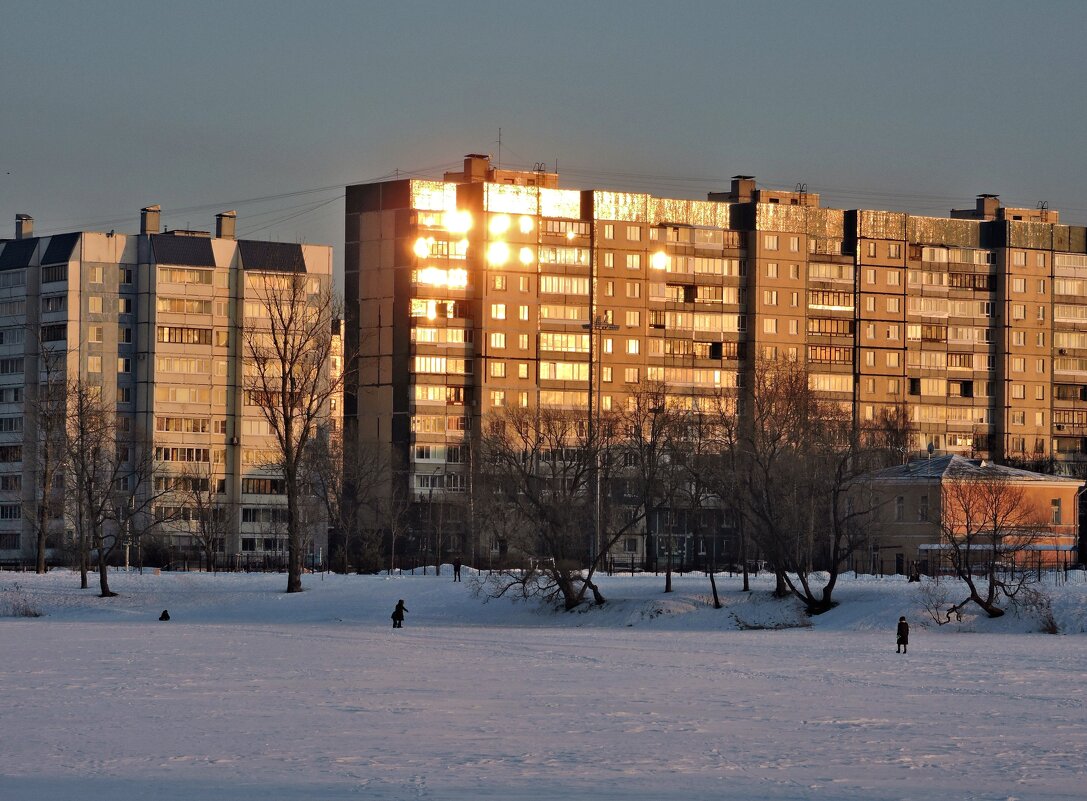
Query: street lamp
{"points": [[598, 324]]}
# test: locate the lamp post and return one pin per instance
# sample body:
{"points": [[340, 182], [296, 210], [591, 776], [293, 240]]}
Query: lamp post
{"points": [[598, 323]]}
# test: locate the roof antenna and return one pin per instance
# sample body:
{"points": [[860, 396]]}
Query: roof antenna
{"points": [[499, 148]]}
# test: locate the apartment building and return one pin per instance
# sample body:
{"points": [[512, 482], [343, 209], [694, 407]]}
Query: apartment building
{"points": [[156, 320], [496, 288]]}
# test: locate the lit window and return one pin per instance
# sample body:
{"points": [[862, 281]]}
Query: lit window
{"points": [[634, 318], [630, 375], [770, 241], [498, 369], [772, 270], [522, 312], [498, 311], [498, 340], [94, 304], [609, 231], [633, 346], [522, 369], [770, 325]]}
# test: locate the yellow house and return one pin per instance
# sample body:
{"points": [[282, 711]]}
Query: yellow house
{"points": [[931, 506]]}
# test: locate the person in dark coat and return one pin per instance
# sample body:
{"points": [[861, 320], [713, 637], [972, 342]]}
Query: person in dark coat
{"points": [[903, 635], [456, 569], [165, 615], [398, 614]]}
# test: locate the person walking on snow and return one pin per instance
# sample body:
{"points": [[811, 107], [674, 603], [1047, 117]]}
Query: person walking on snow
{"points": [[456, 569], [903, 635], [398, 614]]}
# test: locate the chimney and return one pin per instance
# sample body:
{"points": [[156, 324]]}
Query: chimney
{"points": [[24, 226], [225, 224], [476, 167], [743, 190], [150, 219], [987, 206]]}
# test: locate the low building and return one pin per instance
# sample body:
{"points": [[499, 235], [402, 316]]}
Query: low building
{"points": [[922, 506]]}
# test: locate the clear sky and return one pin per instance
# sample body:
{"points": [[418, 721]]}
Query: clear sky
{"points": [[269, 107]]}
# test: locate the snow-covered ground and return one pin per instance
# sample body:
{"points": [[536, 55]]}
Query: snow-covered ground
{"points": [[249, 694]]}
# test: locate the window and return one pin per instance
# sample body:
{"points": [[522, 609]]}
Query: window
{"points": [[794, 327], [124, 305], [772, 270], [634, 289], [894, 250], [522, 283], [900, 508], [892, 358], [1019, 258], [522, 341], [609, 231], [634, 261], [1039, 392], [609, 259], [770, 297], [522, 369], [605, 374], [94, 364], [1018, 391], [634, 318], [922, 509], [498, 369], [498, 397], [522, 312], [630, 375], [498, 282], [1019, 285], [1055, 511], [794, 244], [770, 241], [94, 304], [870, 358], [498, 340], [124, 364], [634, 233], [124, 335], [498, 311], [609, 289], [770, 325], [872, 254], [633, 346], [893, 304]]}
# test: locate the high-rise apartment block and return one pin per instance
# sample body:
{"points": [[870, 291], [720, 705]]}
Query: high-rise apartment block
{"points": [[482, 291], [156, 321]]}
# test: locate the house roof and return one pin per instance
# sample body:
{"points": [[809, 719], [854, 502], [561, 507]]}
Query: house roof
{"points": [[952, 466], [280, 257], [188, 251]]}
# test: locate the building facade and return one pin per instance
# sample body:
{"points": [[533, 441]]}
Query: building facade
{"points": [[926, 502], [157, 321], [496, 288]]}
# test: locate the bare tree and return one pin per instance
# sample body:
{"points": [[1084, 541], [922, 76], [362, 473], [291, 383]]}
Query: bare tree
{"points": [[288, 353], [46, 400], [539, 463], [540, 468], [348, 485], [803, 468], [986, 523], [111, 493], [649, 444], [205, 516]]}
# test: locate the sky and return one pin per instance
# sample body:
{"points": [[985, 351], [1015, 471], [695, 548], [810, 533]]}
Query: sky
{"points": [[270, 108]]}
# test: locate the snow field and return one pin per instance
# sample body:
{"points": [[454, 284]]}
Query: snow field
{"points": [[249, 693]]}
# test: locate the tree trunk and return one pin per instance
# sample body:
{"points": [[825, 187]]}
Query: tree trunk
{"points": [[716, 597], [103, 577], [294, 536]]}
